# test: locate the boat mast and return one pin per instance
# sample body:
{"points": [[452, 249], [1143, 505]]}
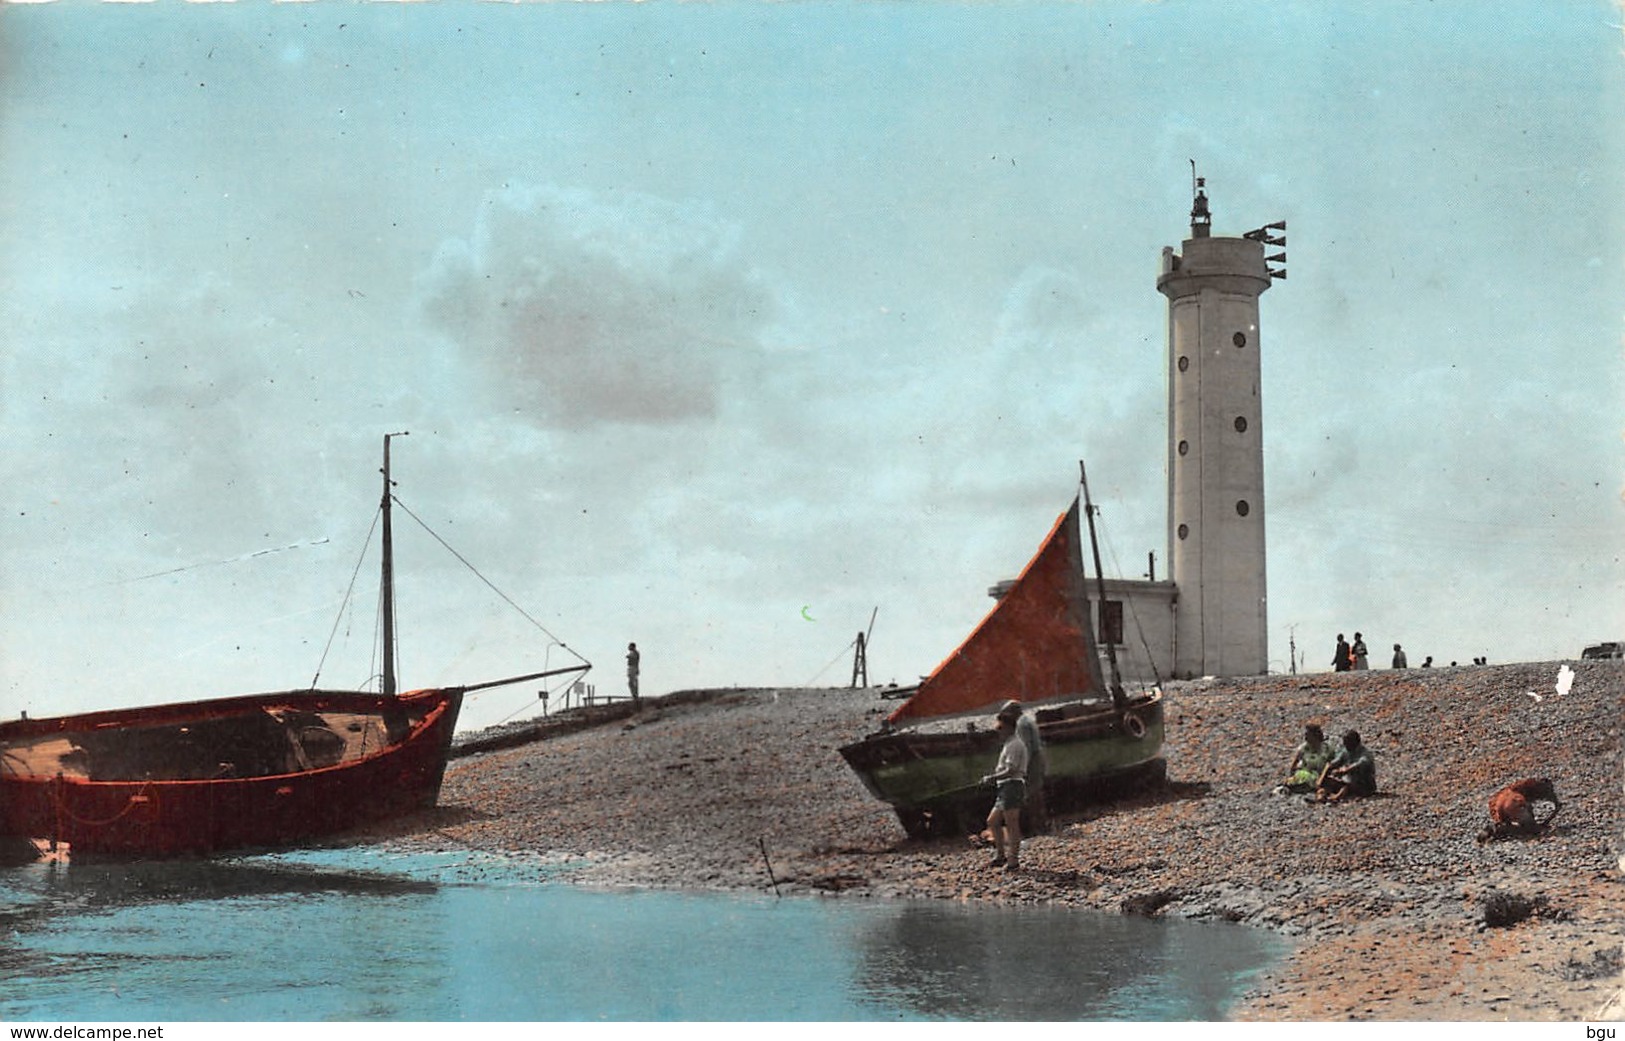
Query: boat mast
{"points": [[388, 588], [1118, 697]]}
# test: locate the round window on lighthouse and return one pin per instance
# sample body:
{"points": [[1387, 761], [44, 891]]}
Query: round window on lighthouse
{"points": [[1241, 424], [1184, 531], [1240, 339], [1242, 508], [1184, 447], [1184, 363]]}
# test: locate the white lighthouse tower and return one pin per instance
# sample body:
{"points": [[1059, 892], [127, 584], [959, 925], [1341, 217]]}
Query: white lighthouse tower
{"points": [[1216, 446]]}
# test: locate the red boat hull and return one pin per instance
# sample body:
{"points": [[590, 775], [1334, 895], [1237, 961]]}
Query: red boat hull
{"points": [[151, 812]]}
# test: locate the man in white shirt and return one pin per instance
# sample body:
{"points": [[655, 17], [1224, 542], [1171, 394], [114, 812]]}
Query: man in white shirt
{"points": [[1010, 775]]}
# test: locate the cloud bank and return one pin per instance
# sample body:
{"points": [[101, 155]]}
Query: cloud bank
{"points": [[587, 311]]}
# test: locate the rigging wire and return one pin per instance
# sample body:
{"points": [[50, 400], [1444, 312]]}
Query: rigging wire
{"points": [[850, 645], [527, 704], [464, 561], [523, 706], [350, 591], [210, 563], [378, 616], [1128, 605], [838, 656], [560, 683], [512, 714]]}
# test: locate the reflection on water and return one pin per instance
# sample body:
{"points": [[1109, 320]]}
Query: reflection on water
{"points": [[357, 935], [1043, 964], [115, 884], [110, 940]]}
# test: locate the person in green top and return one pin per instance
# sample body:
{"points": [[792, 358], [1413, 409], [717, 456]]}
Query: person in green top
{"points": [[1308, 760]]}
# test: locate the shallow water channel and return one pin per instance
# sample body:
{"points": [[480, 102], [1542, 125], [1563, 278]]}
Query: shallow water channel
{"points": [[359, 934]]}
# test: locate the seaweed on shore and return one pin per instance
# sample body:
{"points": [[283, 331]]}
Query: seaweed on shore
{"points": [[1604, 964], [1502, 909]]}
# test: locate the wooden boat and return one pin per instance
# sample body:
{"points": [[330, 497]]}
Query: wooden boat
{"points": [[1034, 647], [256, 771]]}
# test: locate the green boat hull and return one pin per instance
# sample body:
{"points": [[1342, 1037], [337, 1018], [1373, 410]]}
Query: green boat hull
{"points": [[933, 778]]}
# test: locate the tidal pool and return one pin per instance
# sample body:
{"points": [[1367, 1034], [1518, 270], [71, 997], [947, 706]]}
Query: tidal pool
{"points": [[358, 934]]}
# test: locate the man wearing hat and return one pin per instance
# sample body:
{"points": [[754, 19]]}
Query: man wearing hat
{"points": [[1010, 775], [1034, 814]]}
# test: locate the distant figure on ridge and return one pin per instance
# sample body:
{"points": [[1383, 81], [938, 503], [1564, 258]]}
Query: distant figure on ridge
{"points": [[1340, 657], [632, 658], [1427, 663], [1010, 775], [1352, 772], [1399, 657], [1358, 650], [1512, 812]]}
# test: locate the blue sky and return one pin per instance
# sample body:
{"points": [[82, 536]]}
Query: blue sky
{"points": [[701, 315]]}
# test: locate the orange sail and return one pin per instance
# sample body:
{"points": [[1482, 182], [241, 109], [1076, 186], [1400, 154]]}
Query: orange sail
{"points": [[1034, 645]]}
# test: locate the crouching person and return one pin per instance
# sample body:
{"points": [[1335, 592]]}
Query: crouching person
{"points": [[1512, 810]]}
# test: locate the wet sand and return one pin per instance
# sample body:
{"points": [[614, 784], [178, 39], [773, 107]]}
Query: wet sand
{"points": [[1396, 910]]}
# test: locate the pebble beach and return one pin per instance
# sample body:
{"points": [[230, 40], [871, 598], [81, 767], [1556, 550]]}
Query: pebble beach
{"points": [[1396, 911]]}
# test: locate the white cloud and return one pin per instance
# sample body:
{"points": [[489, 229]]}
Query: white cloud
{"points": [[587, 310]]}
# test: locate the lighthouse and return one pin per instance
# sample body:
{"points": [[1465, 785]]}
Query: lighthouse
{"points": [[1207, 615], [1216, 514]]}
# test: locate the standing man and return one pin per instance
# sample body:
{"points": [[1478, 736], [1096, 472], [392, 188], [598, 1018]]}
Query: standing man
{"points": [[632, 669], [1010, 775], [1340, 657], [1034, 812], [1399, 656]]}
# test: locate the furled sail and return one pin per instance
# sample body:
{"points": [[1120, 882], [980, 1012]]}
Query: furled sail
{"points": [[1034, 645]]}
